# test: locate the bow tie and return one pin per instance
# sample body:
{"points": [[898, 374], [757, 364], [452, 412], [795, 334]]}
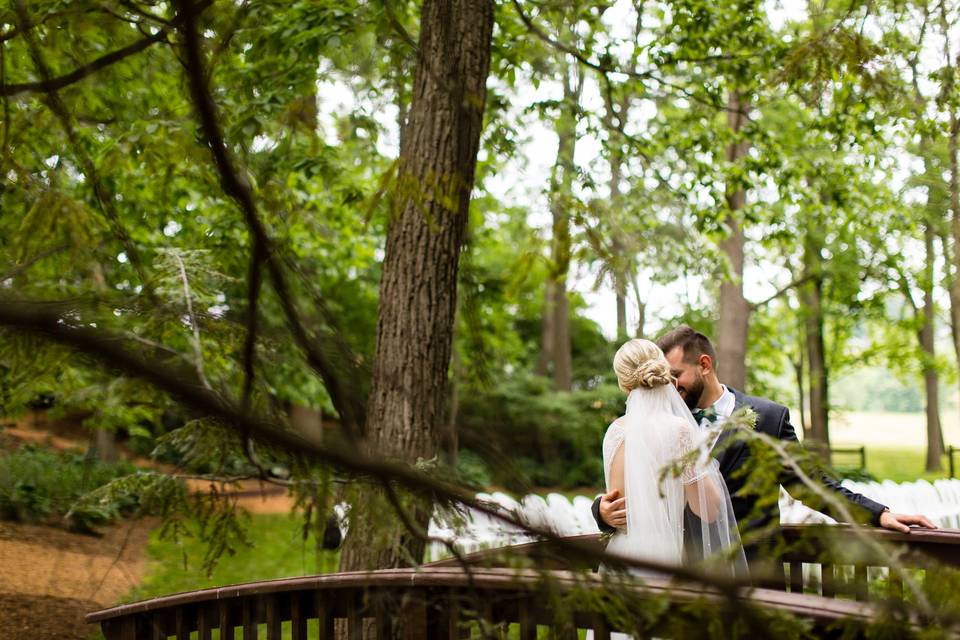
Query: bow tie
{"points": [[709, 414]]}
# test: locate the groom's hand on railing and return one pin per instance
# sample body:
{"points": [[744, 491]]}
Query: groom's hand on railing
{"points": [[613, 509], [895, 521]]}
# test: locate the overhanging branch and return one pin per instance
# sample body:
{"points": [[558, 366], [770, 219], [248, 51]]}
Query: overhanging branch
{"points": [[56, 83]]}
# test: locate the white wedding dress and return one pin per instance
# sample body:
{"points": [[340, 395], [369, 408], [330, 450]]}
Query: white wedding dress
{"points": [[669, 478]]}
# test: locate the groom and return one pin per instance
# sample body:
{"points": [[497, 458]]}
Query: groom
{"points": [[693, 363]]}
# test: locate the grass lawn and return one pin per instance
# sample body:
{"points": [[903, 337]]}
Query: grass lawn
{"points": [[278, 550], [899, 464]]}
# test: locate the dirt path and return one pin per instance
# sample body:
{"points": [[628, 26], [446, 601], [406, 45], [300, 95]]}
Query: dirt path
{"points": [[50, 578]]}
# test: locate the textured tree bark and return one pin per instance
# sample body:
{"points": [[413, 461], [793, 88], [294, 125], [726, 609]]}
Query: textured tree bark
{"points": [[105, 445], [408, 398], [562, 347], [801, 395], [641, 309], [811, 296], [734, 316], [620, 288], [545, 359]]}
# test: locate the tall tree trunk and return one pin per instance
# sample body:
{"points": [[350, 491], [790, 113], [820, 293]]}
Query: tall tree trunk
{"points": [[620, 288], [545, 359], [734, 317], [801, 396], [798, 370], [641, 308], [451, 440], [927, 336], [811, 296], [561, 196], [617, 260], [408, 398], [953, 258]]}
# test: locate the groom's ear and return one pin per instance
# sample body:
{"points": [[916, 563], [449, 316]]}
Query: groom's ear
{"points": [[706, 363]]}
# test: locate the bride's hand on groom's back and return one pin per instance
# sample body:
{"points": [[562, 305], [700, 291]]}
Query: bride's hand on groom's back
{"points": [[613, 509], [898, 521]]}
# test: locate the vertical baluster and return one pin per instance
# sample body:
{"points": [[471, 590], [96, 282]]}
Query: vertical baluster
{"points": [[456, 629], [225, 621], [354, 620], [249, 619], [826, 578], [181, 628], [156, 629], [528, 623], [381, 615], [601, 630], [860, 582], [325, 613], [796, 577], [203, 623], [298, 618], [414, 616], [273, 617], [125, 628]]}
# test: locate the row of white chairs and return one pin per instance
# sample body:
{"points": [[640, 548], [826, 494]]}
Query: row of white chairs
{"points": [[939, 501], [473, 530]]}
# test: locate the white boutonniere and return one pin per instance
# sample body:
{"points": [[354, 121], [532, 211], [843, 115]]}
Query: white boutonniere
{"points": [[746, 418]]}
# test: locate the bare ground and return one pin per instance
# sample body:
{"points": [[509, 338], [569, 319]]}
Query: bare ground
{"points": [[50, 578]]}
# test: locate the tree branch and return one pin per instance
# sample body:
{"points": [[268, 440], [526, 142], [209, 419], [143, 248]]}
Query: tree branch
{"points": [[398, 26], [197, 349], [56, 104], [606, 69], [782, 290], [29, 262], [238, 187], [49, 84]]}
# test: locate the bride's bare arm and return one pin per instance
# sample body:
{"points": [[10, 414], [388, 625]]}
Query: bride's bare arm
{"points": [[616, 472], [704, 497]]}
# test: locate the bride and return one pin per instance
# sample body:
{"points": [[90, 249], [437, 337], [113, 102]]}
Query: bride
{"points": [[678, 508]]}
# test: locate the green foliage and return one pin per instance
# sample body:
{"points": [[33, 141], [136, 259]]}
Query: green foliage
{"points": [[529, 435], [41, 485]]}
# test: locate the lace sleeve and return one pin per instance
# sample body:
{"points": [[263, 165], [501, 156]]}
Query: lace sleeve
{"points": [[611, 442], [692, 467]]}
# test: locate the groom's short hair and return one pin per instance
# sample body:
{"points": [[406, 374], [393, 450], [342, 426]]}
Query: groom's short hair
{"points": [[692, 343]]}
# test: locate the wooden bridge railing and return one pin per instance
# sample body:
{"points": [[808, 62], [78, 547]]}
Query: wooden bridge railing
{"points": [[434, 602], [441, 599]]}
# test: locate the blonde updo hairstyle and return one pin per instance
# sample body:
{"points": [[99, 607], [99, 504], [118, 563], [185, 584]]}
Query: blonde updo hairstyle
{"points": [[640, 363]]}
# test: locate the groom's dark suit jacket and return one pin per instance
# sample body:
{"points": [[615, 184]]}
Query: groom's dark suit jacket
{"points": [[773, 420]]}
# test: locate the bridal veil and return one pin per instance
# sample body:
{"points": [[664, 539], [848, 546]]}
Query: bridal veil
{"points": [[678, 506]]}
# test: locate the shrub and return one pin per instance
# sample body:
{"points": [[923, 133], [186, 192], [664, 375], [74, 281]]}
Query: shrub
{"points": [[529, 434], [41, 485]]}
